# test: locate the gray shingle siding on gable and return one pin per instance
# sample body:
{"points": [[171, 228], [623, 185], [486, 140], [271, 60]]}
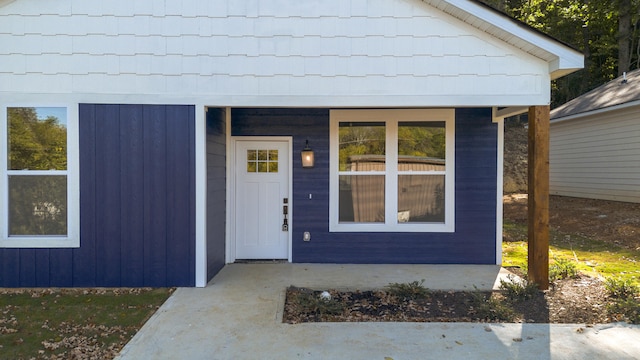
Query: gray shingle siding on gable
{"points": [[287, 53]]}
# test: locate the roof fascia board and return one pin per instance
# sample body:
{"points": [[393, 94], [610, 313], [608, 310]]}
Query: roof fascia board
{"points": [[562, 66], [510, 111], [302, 101], [567, 60], [597, 111]]}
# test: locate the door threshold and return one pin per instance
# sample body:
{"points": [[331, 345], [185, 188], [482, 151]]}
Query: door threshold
{"points": [[261, 261]]}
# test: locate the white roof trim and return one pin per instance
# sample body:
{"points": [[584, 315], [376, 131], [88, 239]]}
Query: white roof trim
{"points": [[509, 111], [562, 59]]}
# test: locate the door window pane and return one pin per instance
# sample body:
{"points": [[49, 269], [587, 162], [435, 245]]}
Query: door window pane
{"points": [[362, 146], [262, 161], [37, 138], [361, 198], [37, 205]]}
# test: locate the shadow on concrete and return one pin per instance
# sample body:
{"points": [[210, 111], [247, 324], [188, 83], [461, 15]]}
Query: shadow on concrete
{"points": [[239, 316]]}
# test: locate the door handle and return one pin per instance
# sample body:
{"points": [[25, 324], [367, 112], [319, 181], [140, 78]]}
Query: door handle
{"points": [[285, 224]]}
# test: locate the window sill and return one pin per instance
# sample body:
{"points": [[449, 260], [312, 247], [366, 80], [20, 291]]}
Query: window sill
{"points": [[39, 242], [399, 228]]}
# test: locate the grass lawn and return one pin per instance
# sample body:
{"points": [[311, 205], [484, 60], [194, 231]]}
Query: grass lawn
{"points": [[73, 323], [591, 256]]}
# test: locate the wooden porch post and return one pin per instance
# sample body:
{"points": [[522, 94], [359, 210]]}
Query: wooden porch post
{"points": [[538, 202]]}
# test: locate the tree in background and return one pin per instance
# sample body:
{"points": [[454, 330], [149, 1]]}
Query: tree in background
{"points": [[36, 144], [624, 36]]}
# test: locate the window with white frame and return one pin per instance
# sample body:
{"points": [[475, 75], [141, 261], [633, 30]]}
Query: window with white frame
{"points": [[392, 170], [39, 195]]}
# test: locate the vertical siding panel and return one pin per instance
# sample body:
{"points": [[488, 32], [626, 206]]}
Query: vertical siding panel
{"points": [[84, 258], [132, 194], [10, 267], [4, 272], [108, 195], [27, 268], [178, 203], [137, 204], [192, 195], [155, 250], [476, 168], [42, 267], [61, 267], [216, 190]]}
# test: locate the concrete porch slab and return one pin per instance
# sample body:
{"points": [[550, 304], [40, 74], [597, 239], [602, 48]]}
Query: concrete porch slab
{"points": [[238, 316]]}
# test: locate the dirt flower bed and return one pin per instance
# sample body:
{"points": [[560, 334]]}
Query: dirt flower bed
{"points": [[581, 300], [577, 299]]}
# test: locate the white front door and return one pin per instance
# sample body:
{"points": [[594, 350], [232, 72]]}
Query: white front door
{"points": [[261, 193]]}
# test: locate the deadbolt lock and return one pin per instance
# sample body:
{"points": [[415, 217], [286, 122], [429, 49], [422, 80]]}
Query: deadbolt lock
{"points": [[285, 211]]}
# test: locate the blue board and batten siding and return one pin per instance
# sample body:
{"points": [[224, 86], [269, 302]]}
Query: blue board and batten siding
{"points": [[216, 189], [473, 242], [137, 212], [137, 199]]}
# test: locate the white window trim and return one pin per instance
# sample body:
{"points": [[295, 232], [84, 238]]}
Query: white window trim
{"points": [[392, 116], [72, 239]]}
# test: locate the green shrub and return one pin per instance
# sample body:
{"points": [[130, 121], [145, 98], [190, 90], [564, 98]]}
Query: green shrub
{"points": [[562, 269], [413, 290], [626, 306], [488, 308], [621, 289], [627, 309], [518, 289]]}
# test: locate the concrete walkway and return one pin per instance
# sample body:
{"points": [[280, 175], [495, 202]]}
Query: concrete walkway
{"points": [[239, 316]]}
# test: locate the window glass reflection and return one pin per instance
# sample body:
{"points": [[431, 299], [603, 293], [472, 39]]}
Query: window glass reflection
{"points": [[37, 138], [361, 198], [37, 205], [362, 146]]}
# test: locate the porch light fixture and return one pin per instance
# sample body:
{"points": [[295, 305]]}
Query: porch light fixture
{"points": [[307, 156]]}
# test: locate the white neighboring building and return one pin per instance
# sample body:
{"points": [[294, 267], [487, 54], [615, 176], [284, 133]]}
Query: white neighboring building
{"points": [[595, 143]]}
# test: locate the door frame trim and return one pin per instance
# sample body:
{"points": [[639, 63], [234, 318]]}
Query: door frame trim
{"points": [[230, 243]]}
